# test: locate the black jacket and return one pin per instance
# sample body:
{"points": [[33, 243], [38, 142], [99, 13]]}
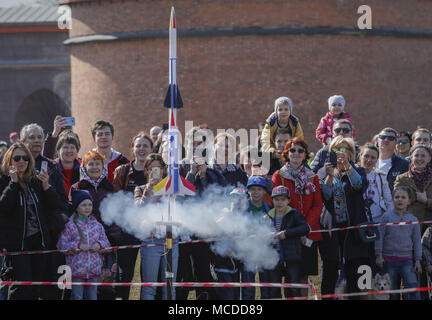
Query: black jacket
{"points": [[295, 226], [13, 213], [399, 166]]}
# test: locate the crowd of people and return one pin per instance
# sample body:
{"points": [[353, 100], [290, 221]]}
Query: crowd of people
{"points": [[50, 199]]}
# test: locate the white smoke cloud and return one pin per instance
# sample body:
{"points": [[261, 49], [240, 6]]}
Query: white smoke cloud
{"points": [[250, 238]]}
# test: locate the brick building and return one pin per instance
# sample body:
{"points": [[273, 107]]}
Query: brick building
{"points": [[236, 56], [34, 65]]}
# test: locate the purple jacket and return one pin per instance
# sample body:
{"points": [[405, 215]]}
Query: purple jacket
{"points": [[84, 264]]}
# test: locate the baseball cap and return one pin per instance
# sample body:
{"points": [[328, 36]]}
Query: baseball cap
{"points": [[280, 191]]}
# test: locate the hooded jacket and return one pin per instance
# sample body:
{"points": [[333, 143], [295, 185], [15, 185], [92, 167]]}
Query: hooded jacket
{"points": [[325, 126], [84, 264], [268, 134]]}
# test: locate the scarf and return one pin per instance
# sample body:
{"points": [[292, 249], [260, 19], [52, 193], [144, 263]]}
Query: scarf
{"points": [[95, 184], [421, 178], [301, 178]]}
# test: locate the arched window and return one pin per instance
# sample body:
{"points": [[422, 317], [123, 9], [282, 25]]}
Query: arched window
{"points": [[40, 107]]}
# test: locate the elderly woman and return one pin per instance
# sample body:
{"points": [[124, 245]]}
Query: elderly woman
{"points": [[94, 179], [27, 205], [419, 180], [153, 258], [378, 198], [306, 198], [343, 190]]}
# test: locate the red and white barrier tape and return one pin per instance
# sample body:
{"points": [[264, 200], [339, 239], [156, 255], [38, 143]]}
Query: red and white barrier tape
{"points": [[159, 284], [364, 293], [205, 240], [374, 225]]}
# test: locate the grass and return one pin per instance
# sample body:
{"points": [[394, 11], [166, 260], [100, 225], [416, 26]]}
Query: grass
{"points": [[135, 291]]}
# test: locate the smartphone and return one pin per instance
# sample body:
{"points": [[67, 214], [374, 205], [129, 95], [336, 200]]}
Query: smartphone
{"points": [[44, 166], [309, 242], [332, 158], [156, 173], [165, 126], [69, 121]]}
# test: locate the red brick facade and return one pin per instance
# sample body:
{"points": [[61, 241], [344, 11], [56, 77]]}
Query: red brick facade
{"points": [[232, 81]]}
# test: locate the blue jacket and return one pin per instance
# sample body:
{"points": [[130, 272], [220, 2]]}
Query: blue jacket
{"points": [[399, 166]]}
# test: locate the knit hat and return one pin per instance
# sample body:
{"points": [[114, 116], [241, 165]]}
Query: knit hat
{"points": [[284, 100], [336, 98], [257, 181], [281, 191], [79, 196]]}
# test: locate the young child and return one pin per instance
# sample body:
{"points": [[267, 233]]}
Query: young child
{"points": [[282, 117], [290, 227], [336, 106], [226, 266], [257, 207], [83, 232], [398, 244]]}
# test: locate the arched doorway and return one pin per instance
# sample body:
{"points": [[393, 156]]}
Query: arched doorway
{"points": [[40, 107]]}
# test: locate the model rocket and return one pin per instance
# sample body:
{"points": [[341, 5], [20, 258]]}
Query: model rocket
{"points": [[174, 183]]}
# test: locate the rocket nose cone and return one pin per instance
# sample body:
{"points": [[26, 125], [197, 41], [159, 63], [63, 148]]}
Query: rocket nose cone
{"points": [[172, 19]]}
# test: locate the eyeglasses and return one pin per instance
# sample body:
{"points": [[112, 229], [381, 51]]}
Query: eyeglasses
{"points": [[344, 130], [403, 141], [294, 150], [341, 149], [18, 158], [389, 138], [336, 105]]}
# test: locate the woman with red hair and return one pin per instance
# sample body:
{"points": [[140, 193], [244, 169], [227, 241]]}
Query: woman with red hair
{"points": [[306, 198]]}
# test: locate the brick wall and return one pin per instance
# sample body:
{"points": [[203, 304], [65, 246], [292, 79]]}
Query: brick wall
{"points": [[231, 82]]}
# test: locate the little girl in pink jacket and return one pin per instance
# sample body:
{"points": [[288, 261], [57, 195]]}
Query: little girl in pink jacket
{"points": [[83, 232]]}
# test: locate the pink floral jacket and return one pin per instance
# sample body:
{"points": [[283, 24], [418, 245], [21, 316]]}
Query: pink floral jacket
{"points": [[84, 264], [325, 125]]}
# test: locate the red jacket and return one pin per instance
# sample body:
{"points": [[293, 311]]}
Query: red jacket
{"points": [[310, 206]]}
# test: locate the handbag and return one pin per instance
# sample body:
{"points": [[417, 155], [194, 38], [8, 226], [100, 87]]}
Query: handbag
{"points": [[368, 234]]}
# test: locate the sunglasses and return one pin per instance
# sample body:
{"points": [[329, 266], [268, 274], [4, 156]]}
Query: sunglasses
{"points": [[294, 150], [389, 138], [341, 149], [403, 141], [344, 130], [18, 158]]}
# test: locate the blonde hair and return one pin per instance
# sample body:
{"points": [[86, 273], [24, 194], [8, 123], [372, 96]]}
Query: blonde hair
{"points": [[337, 141], [6, 163]]}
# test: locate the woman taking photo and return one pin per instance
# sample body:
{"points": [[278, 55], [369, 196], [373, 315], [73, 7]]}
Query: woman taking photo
{"points": [[153, 258], [378, 198], [127, 177], [306, 198], [343, 190], [27, 205]]}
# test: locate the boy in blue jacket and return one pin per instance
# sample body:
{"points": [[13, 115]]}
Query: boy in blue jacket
{"points": [[290, 227], [257, 207]]}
